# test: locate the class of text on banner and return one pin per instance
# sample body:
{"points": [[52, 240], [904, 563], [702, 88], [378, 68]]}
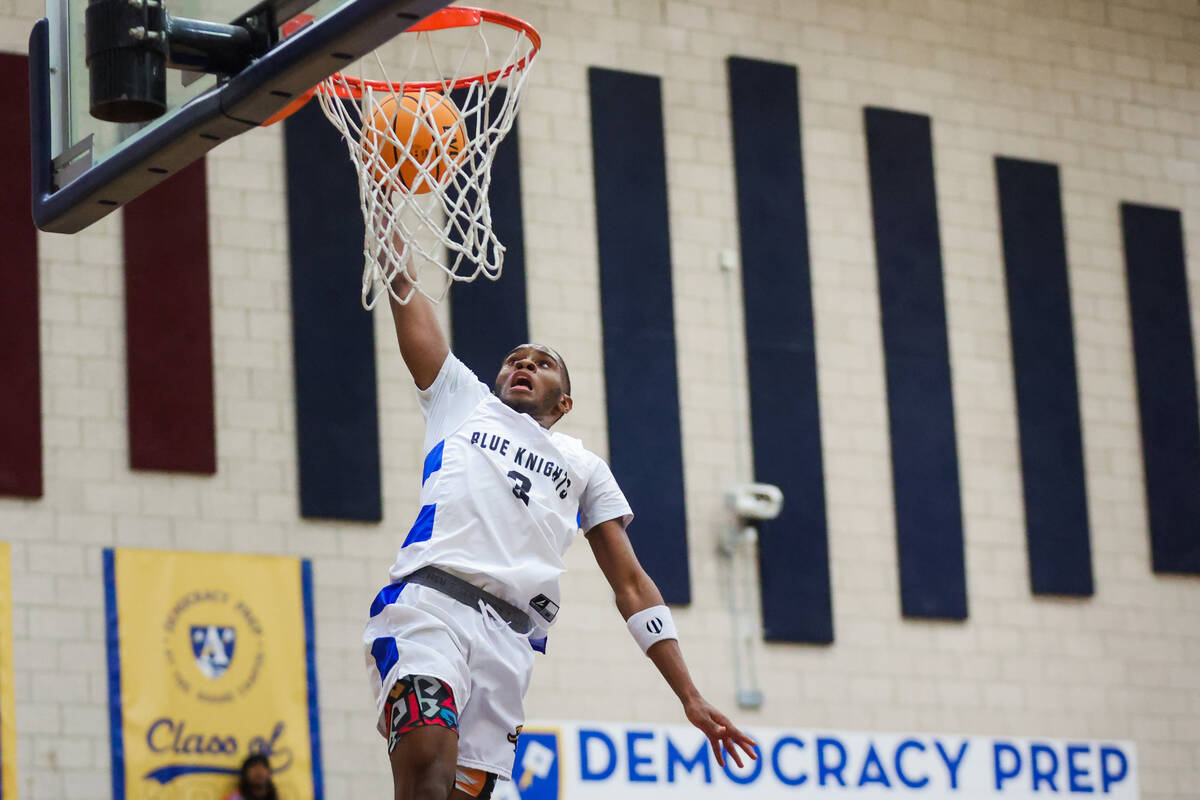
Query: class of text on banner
{"points": [[600, 761], [210, 659]]}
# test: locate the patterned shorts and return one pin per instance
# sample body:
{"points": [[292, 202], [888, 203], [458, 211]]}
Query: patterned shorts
{"points": [[417, 700]]}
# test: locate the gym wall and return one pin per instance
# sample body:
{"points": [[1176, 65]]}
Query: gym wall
{"points": [[965, 547]]}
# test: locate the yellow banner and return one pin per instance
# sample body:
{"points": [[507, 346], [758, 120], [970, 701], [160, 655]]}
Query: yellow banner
{"points": [[210, 660], [8, 727]]}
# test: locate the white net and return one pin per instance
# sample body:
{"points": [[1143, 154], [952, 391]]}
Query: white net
{"points": [[423, 147]]}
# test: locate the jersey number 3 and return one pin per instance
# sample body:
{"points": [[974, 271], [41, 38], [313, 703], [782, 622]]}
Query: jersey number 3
{"points": [[521, 486]]}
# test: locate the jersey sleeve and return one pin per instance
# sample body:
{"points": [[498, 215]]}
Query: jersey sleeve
{"points": [[449, 400], [602, 499]]}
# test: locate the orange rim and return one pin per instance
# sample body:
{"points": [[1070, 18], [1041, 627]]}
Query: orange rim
{"points": [[451, 17], [348, 87]]}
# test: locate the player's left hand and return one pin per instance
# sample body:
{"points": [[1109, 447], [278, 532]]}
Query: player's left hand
{"points": [[721, 733]]}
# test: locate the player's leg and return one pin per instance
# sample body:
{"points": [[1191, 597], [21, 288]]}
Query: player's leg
{"points": [[422, 725], [423, 764]]}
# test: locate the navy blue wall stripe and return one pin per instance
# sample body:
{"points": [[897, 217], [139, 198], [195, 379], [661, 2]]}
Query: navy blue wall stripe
{"points": [[633, 228], [1043, 342], [1166, 382], [920, 405], [112, 639], [489, 318], [785, 419], [334, 341], [310, 657]]}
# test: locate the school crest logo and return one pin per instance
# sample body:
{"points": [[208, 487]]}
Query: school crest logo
{"points": [[212, 645]]}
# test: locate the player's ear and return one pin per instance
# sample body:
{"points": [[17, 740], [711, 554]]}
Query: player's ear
{"points": [[565, 403]]}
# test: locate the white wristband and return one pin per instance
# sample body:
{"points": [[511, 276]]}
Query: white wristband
{"points": [[651, 625]]}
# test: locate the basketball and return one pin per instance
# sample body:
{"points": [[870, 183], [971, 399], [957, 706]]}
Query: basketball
{"points": [[423, 133]]}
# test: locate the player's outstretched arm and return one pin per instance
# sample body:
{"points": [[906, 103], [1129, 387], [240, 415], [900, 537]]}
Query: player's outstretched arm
{"points": [[637, 596], [422, 342]]}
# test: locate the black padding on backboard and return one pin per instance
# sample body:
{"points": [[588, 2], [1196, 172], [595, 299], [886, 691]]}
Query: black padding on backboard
{"points": [[1166, 382], [633, 229], [337, 423], [1043, 342], [920, 404], [489, 318], [785, 420]]}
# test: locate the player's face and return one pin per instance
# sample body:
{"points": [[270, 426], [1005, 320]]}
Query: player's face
{"points": [[531, 381]]}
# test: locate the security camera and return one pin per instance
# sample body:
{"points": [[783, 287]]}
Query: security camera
{"points": [[755, 501]]}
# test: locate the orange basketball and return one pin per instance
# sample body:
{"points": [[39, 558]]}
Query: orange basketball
{"points": [[421, 133]]}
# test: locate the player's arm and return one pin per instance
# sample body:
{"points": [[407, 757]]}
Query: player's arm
{"points": [[635, 592], [422, 342]]}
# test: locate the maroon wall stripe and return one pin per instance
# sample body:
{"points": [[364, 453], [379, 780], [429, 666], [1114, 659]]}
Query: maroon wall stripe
{"points": [[168, 327], [20, 373]]}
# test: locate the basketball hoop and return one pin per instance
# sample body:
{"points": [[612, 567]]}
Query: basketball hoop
{"points": [[423, 147]]}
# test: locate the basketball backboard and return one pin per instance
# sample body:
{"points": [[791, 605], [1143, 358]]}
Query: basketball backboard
{"points": [[85, 167]]}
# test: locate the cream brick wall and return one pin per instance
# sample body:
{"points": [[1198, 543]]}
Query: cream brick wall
{"points": [[1110, 91]]}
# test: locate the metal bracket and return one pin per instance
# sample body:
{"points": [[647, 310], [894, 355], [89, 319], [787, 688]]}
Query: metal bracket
{"points": [[71, 163]]}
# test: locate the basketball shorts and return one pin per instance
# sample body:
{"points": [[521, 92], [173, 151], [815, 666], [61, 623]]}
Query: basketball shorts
{"points": [[416, 630]]}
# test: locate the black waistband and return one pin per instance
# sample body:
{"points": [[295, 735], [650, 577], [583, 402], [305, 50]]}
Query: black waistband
{"points": [[469, 594]]}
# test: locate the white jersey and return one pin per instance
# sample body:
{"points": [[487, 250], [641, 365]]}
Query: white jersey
{"points": [[502, 498]]}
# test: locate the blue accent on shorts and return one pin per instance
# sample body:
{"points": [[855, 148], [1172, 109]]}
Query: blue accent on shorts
{"points": [[422, 529], [538, 645], [433, 461], [578, 519], [387, 595], [383, 650]]}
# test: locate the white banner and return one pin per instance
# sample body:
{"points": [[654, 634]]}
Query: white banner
{"points": [[602, 761]]}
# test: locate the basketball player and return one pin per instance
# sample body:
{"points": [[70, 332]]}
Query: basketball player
{"points": [[450, 641]]}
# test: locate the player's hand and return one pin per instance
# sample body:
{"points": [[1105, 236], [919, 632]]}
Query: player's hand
{"points": [[721, 733]]}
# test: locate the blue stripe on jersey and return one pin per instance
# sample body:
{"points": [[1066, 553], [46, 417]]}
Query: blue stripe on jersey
{"points": [[387, 595], [433, 461], [385, 654], [422, 529], [538, 645]]}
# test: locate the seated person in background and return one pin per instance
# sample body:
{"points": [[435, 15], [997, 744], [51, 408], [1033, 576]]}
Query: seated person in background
{"points": [[254, 781]]}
